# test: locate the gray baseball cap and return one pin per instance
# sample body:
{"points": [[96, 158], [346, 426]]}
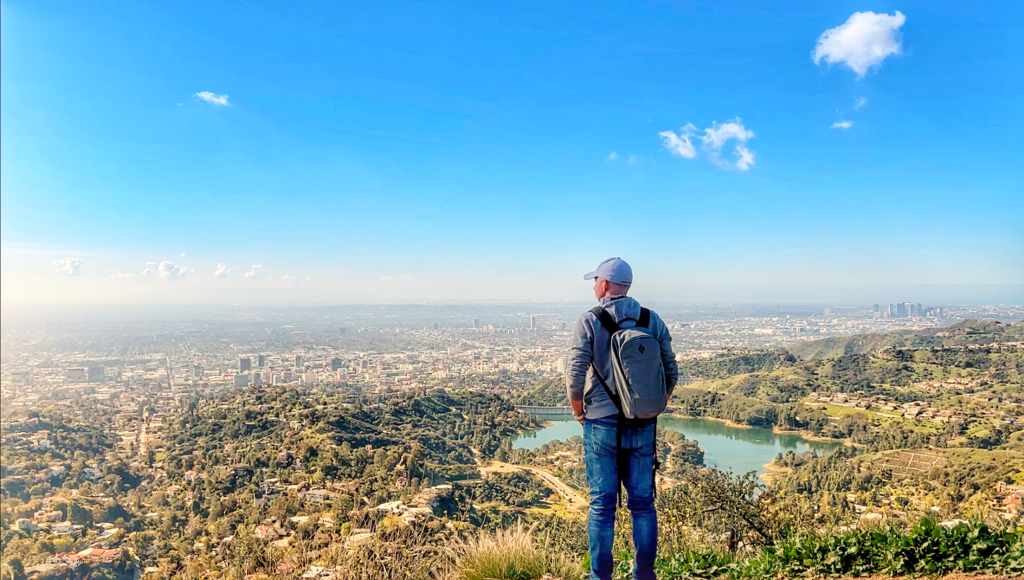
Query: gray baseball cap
{"points": [[614, 270]]}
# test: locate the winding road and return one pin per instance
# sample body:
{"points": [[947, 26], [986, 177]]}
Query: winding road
{"points": [[567, 493]]}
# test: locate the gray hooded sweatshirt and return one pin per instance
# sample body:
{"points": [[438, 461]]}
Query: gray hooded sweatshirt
{"points": [[590, 343]]}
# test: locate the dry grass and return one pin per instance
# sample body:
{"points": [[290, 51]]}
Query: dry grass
{"points": [[509, 555]]}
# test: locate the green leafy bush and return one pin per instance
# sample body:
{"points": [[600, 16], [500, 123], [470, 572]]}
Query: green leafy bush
{"points": [[926, 548]]}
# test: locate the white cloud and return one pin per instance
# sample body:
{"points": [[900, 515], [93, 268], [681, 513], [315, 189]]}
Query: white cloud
{"points": [[680, 144], [165, 270], [252, 274], [288, 278], [713, 140], [841, 125], [121, 275], [859, 102], [213, 98], [717, 135], [183, 254], [69, 266], [863, 42], [612, 156], [221, 271], [744, 158]]}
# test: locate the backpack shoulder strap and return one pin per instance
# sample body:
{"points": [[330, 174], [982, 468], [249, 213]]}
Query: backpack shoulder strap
{"points": [[606, 320], [612, 327], [645, 318]]}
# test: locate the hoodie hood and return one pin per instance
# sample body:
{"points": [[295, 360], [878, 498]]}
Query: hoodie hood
{"points": [[623, 309]]}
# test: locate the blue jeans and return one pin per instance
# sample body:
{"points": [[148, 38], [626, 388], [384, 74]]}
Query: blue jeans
{"points": [[632, 463]]}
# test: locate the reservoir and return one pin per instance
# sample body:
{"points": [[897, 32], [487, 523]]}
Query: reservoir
{"points": [[727, 448]]}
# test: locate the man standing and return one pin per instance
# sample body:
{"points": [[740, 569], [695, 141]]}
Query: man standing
{"points": [[617, 450]]}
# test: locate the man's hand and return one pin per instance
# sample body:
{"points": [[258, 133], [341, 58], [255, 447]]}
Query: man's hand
{"points": [[577, 409]]}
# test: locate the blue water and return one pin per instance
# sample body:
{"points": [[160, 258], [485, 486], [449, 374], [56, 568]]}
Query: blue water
{"points": [[728, 448]]}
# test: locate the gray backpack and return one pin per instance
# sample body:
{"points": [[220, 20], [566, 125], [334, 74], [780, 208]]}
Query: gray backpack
{"points": [[636, 361]]}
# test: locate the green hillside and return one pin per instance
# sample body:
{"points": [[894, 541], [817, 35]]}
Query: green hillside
{"points": [[727, 365], [963, 333], [546, 393]]}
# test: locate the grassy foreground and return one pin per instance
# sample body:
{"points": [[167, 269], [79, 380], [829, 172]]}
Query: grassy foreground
{"points": [[925, 549]]}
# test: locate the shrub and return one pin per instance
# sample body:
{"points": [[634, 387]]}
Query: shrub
{"points": [[926, 548]]}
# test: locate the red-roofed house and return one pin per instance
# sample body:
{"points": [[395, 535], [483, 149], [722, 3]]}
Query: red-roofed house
{"points": [[97, 554], [66, 558]]}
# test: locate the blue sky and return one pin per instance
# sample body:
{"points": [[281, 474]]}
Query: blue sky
{"points": [[392, 152]]}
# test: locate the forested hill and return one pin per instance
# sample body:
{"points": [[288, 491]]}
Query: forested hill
{"points": [[546, 393], [963, 333], [937, 385], [728, 365]]}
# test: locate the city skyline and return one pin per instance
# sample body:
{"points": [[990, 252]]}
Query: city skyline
{"points": [[237, 155]]}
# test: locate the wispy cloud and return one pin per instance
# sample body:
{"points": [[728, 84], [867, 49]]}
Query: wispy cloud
{"points": [[252, 274], [69, 266], [221, 271], [183, 254], [122, 276], [713, 140], [612, 156], [633, 160], [288, 278], [165, 270], [680, 144], [841, 125], [862, 42], [744, 158], [859, 102], [213, 98]]}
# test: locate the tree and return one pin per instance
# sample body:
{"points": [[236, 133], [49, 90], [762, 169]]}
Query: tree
{"points": [[13, 569], [78, 515]]}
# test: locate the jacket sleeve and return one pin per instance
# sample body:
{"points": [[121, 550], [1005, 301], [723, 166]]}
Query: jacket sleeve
{"points": [[668, 358], [581, 353]]}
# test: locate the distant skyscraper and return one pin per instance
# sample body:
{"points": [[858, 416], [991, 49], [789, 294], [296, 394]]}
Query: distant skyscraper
{"points": [[533, 323], [892, 310], [920, 310], [244, 364], [827, 312], [298, 361], [96, 374], [902, 310], [342, 330], [257, 380], [876, 308], [261, 360], [335, 363], [476, 323]]}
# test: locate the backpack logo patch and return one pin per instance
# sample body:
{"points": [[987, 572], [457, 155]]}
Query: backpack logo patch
{"points": [[642, 349]]}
